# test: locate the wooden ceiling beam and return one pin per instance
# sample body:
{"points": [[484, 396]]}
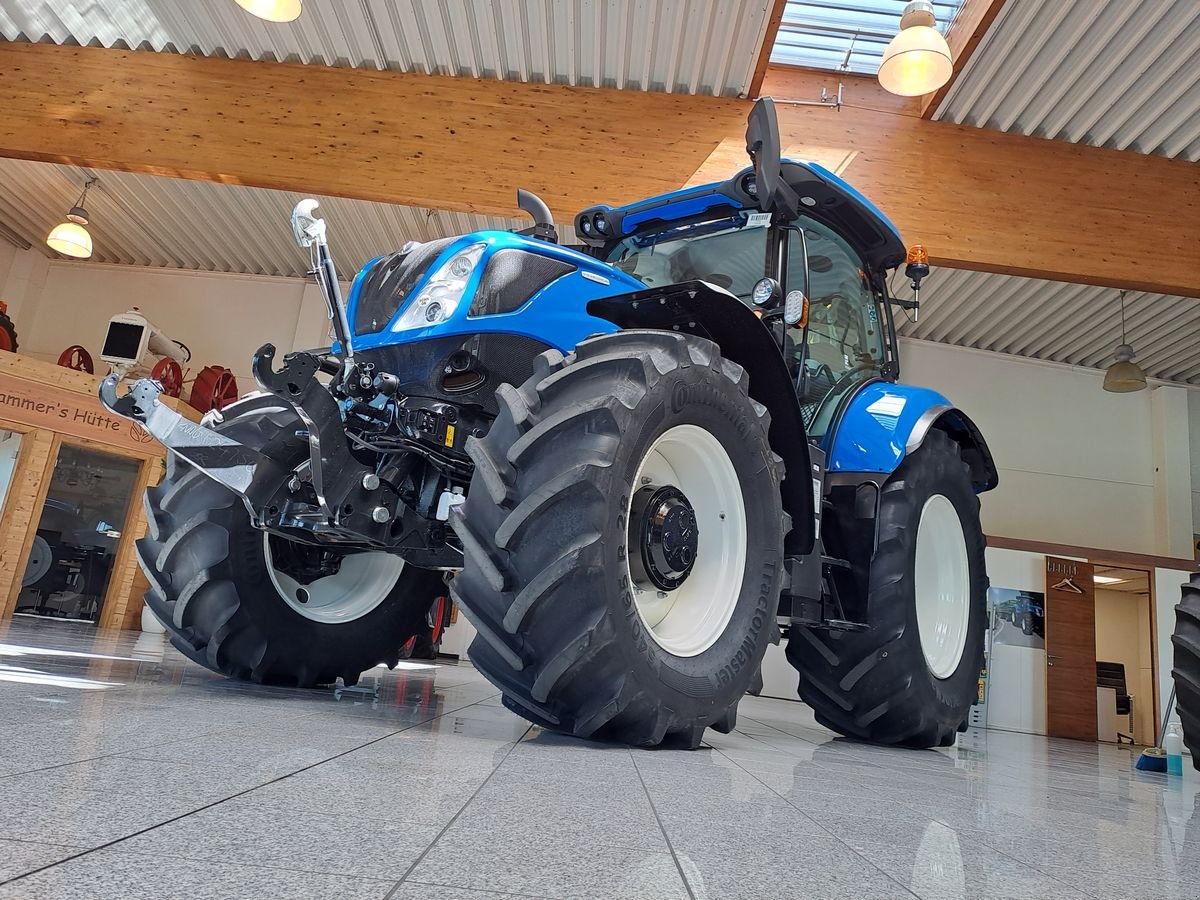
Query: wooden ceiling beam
{"points": [[970, 24], [979, 199], [764, 51]]}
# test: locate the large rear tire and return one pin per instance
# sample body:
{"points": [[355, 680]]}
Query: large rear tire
{"points": [[623, 540], [1186, 670], [912, 676], [234, 601]]}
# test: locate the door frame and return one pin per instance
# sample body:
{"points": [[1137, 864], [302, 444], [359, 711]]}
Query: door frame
{"points": [[1100, 562]]}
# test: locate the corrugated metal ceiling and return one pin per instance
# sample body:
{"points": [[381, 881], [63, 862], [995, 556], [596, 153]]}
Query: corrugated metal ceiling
{"points": [[818, 33], [1110, 73], [690, 46], [151, 221], [1050, 320], [144, 220]]}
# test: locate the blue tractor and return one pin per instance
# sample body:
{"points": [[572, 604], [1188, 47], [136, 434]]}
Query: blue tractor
{"points": [[636, 463]]}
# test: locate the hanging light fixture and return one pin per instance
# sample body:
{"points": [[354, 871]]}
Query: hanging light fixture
{"points": [[71, 238], [1124, 376], [917, 61], [273, 10]]}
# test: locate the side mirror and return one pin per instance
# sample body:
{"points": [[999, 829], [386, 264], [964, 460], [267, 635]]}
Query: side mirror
{"points": [[762, 144], [306, 227]]}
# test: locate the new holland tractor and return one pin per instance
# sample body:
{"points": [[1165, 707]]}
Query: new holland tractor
{"points": [[636, 463]]}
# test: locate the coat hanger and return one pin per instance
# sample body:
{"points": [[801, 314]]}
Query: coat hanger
{"points": [[1067, 585]]}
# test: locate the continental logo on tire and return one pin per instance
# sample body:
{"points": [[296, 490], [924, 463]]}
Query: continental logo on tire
{"points": [[746, 650], [704, 394]]}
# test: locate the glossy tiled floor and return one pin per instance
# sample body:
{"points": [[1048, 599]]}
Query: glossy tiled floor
{"points": [[127, 772]]}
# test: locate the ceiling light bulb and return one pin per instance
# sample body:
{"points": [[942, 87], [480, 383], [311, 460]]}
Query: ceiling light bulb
{"points": [[70, 239], [1124, 376], [917, 61], [273, 10]]}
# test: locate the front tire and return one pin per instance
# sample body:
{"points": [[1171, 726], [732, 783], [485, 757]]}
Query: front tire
{"points": [[623, 540], [910, 678], [234, 601]]}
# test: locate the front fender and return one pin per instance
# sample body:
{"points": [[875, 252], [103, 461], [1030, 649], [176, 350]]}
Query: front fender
{"points": [[885, 422], [696, 307]]}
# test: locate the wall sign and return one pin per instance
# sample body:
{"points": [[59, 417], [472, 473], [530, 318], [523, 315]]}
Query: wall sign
{"points": [[67, 412]]}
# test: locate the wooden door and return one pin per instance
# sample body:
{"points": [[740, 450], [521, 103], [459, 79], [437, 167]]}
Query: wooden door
{"points": [[1070, 618]]}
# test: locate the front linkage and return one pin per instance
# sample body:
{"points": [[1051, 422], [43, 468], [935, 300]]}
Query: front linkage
{"points": [[330, 499]]}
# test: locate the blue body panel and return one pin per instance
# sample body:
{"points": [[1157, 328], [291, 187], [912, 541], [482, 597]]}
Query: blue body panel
{"points": [[873, 430], [876, 425], [556, 315]]}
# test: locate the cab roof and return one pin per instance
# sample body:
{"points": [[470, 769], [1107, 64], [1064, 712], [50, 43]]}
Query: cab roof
{"points": [[823, 196]]}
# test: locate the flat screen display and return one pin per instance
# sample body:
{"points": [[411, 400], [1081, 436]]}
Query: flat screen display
{"points": [[122, 340]]}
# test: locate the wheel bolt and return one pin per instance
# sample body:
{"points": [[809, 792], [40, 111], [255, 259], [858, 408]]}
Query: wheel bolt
{"points": [[370, 481], [380, 514]]}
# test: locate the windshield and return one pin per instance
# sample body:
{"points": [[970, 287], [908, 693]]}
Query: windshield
{"points": [[725, 252], [843, 343]]}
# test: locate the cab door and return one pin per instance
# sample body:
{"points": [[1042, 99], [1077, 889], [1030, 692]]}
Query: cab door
{"points": [[843, 344]]}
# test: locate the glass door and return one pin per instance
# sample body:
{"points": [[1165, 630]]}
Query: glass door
{"points": [[71, 559]]}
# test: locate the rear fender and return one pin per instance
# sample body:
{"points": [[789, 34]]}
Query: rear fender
{"points": [[885, 422], [710, 312]]}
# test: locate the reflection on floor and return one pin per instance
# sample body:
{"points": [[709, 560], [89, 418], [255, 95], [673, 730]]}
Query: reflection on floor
{"points": [[128, 772]]}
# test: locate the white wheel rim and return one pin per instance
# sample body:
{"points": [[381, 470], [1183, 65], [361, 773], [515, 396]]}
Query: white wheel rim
{"points": [[688, 620], [41, 557], [943, 586], [363, 581]]}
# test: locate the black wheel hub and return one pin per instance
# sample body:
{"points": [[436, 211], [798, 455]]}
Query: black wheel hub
{"points": [[663, 537]]}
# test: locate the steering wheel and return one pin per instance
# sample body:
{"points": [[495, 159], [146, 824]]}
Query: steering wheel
{"points": [[820, 369]]}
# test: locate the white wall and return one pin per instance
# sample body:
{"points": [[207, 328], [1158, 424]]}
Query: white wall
{"points": [[22, 278], [7, 253], [1077, 464], [1194, 432], [1016, 691], [222, 318]]}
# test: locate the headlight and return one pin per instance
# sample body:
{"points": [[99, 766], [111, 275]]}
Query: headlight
{"points": [[442, 293]]}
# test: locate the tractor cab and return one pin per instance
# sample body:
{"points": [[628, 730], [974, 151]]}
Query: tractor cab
{"points": [[829, 243]]}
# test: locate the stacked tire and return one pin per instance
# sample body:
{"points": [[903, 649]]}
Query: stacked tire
{"points": [[1186, 669]]}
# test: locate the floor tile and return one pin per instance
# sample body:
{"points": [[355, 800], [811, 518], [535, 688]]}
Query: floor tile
{"points": [[548, 866], [815, 868], [211, 787], [947, 867], [121, 875], [19, 857], [341, 840], [414, 890]]}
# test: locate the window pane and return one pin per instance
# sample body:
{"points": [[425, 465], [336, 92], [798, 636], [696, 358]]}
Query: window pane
{"points": [[77, 535], [10, 446], [725, 253]]}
